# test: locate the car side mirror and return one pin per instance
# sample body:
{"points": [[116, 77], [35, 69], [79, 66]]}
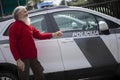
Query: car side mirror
{"points": [[103, 27]]}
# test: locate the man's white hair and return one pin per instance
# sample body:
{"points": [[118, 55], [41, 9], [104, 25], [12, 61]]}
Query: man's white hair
{"points": [[16, 11]]}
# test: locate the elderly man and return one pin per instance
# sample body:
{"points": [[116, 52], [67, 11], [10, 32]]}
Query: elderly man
{"points": [[22, 44]]}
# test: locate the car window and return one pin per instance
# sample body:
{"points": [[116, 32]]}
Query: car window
{"points": [[39, 22], [36, 21], [7, 30], [75, 20]]}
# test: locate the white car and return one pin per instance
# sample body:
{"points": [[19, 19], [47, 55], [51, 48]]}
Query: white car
{"points": [[89, 47]]}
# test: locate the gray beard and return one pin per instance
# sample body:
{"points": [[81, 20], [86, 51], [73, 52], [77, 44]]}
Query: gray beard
{"points": [[26, 20]]}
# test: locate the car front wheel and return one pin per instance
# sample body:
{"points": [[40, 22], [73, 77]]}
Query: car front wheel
{"points": [[8, 76]]}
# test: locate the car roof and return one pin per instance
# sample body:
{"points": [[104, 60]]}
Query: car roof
{"points": [[62, 8], [34, 11]]}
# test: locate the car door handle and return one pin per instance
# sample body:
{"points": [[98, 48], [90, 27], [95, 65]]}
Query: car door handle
{"points": [[67, 41], [5, 46]]}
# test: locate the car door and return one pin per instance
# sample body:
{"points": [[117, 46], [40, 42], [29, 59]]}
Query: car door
{"points": [[48, 50], [82, 46], [4, 43]]}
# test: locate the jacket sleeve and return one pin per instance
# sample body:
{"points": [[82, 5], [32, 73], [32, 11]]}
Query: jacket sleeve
{"points": [[39, 35], [13, 44]]}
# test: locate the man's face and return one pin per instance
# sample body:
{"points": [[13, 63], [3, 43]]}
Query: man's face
{"points": [[23, 13]]}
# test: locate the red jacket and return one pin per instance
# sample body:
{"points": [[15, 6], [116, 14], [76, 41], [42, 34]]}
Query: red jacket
{"points": [[22, 44]]}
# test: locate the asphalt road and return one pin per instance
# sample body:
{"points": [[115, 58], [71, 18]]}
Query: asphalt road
{"points": [[101, 78]]}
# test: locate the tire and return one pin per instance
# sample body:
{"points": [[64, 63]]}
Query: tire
{"points": [[8, 76]]}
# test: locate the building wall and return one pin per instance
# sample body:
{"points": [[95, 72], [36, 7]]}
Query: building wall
{"points": [[7, 6]]}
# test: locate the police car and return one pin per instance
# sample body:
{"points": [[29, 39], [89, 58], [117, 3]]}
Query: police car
{"points": [[89, 46]]}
